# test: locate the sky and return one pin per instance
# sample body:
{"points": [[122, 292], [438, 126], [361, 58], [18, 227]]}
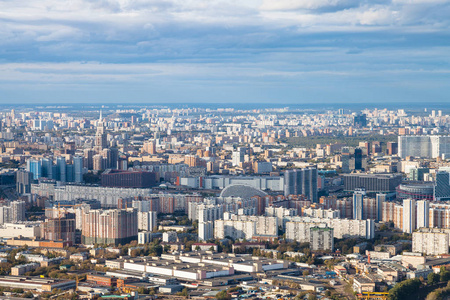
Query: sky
{"points": [[247, 51]]}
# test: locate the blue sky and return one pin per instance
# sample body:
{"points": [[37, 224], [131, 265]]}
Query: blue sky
{"points": [[272, 51]]}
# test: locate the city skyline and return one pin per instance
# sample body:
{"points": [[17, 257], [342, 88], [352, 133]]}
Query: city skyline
{"points": [[257, 51]]}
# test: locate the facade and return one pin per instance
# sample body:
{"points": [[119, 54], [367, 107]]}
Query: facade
{"points": [[298, 228], [416, 191], [147, 221], [128, 179], [26, 230], [246, 227], [24, 179], [13, 212], [114, 226], [423, 146], [423, 213], [321, 239], [442, 186], [358, 205], [301, 182], [144, 237], [205, 231], [430, 241], [409, 215], [372, 183], [61, 229]]}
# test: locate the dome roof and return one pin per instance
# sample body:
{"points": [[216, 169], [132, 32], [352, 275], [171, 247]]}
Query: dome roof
{"points": [[241, 190]]}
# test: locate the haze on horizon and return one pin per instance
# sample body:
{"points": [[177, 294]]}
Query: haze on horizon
{"points": [[283, 51]]}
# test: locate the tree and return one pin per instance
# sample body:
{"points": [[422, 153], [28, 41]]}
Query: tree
{"points": [[223, 295], [433, 278], [405, 290], [444, 274]]}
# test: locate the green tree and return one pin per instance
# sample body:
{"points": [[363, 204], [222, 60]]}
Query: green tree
{"points": [[433, 278], [223, 295], [405, 290], [444, 274]]}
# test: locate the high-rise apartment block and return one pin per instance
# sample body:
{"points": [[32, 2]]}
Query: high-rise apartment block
{"points": [[301, 182], [423, 146], [114, 226], [321, 239], [431, 241]]}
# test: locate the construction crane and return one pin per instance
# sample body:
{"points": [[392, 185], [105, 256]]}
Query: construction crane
{"points": [[373, 295], [60, 213]]}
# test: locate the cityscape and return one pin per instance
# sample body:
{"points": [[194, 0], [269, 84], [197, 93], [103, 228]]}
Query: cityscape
{"points": [[150, 202], [223, 149]]}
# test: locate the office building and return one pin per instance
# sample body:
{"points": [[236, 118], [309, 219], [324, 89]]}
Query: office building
{"points": [[442, 186], [372, 183], [128, 179], [35, 167], [78, 168], [360, 120], [358, 159], [24, 179]]}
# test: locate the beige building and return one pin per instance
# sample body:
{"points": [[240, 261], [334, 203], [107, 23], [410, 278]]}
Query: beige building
{"points": [[430, 241]]}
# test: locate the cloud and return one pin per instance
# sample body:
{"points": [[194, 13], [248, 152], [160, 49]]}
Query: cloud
{"points": [[220, 41]]}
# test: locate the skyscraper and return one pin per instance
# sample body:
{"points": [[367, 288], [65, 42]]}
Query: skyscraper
{"points": [[358, 204], [114, 226], [409, 215], [61, 168], [35, 167], [442, 186], [425, 146], [423, 213], [301, 182], [238, 156], [23, 182], [78, 168], [358, 159], [100, 136]]}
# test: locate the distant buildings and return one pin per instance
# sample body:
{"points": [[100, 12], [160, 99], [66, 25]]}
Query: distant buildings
{"points": [[423, 146]]}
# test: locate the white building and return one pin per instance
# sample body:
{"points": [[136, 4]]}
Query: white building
{"points": [[409, 215], [298, 228], [430, 241], [26, 230], [170, 237], [144, 237], [321, 239], [147, 220], [424, 146], [205, 231]]}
